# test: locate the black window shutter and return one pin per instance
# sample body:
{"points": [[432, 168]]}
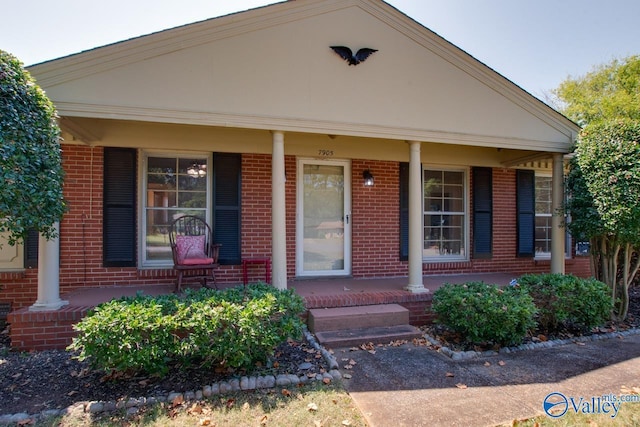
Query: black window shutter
{"points": [[119, 205], [226, 205], [31, 249], [482, 212], [404, 211], [526, 213]]}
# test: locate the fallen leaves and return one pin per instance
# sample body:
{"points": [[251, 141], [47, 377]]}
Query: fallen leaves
{"points": [[350, 363], [368, 347], [177, 401]]}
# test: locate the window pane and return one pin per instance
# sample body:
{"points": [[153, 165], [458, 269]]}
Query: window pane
{"points": [[454, 178], [192, 200], [161, 165], [454, 205], [162, 199], [196, 167], [191, 183], [157, 234], [543, 234], [543, 194]]}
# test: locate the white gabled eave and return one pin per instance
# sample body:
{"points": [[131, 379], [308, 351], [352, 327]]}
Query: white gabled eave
{"points": [[102, 59]]}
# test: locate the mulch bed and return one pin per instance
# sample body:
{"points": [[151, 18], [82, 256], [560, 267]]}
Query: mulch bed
{"points": [[33, 382]]}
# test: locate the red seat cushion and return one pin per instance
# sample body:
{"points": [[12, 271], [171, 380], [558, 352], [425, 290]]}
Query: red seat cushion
{"points": [[197, 261]]}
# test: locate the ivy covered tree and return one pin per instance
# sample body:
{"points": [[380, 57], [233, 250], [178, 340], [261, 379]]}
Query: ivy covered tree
{"points": [[31, 175], [604, 179]]}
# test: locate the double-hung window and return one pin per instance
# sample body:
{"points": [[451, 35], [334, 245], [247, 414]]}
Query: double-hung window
{"points": [[445, 214], [544, 212], [174, 185], [543, 217]]}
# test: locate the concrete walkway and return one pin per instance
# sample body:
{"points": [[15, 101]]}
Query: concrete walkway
{"points": [[416, 386]]}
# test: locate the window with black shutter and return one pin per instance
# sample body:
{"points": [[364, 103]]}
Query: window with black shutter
{"points": [[119, 205], [482, 212], [526, 213]]}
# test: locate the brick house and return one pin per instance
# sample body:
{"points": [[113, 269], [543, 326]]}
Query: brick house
{"points": [[252, 121]]}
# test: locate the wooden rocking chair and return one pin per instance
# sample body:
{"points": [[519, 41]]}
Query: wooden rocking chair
{"points": [[194, 253]]}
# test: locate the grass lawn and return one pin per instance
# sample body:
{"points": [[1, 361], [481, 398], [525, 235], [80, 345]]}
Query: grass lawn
{"points": [[315, 405]]}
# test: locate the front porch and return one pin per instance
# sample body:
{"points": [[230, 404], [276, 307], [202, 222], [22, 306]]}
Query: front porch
{"points": [[40, 330]]}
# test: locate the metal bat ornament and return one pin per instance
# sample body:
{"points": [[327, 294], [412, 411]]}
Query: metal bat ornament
{"points": [[346, 54]]}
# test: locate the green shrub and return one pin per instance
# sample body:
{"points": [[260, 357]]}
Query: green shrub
{"points": [[485, 313], [566, 301], [234, 328]]}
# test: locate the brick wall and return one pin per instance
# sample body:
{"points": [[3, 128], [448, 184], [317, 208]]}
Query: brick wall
{"points": [[44, 330], [375, 228], [376, 221]]}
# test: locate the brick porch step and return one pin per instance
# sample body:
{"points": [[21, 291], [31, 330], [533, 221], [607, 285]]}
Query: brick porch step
{"points": [[351, 326], [375, 335], [365, 316]]}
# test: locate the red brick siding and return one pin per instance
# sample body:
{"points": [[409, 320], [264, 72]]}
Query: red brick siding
{"points": [[375, 228], [376, 220], [44, 330]]}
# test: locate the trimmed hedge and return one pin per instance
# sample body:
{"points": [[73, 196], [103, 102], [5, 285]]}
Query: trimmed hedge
{"points": [[484, 313], [233, 328], [568, 302]]}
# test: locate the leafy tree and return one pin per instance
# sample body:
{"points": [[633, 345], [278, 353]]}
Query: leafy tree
{"points": [[604, 179], [610, 91], [605, 186], [31, 174]]}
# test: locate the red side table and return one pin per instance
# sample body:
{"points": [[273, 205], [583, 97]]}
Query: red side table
{"points": [[266, 261]]}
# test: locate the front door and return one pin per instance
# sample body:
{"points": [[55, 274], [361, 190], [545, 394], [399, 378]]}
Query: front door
{"points": [[323, 235]]}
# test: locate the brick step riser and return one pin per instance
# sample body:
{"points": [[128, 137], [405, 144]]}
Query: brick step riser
{"points": [[337, 319], [378, 335]]}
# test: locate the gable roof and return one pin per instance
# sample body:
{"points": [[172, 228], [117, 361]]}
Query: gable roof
{"points": [[272, 68]]}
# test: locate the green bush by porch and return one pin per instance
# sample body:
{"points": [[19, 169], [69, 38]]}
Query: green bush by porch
{"points": [[549, 303], [483, 313], [568, 302], [232, 328]]}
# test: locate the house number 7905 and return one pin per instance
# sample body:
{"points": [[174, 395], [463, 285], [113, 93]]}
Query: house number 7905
{"points": [[325, 153]]}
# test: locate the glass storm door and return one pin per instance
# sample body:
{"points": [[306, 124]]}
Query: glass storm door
{"points": [[323, 244]]}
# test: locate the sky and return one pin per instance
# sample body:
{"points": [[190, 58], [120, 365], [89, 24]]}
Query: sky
{"points": [[536, 44]]}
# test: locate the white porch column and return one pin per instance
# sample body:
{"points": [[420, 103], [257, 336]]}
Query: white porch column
{"points": [[278, 214], [557, 216], [415, 220], [48, 275]]}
